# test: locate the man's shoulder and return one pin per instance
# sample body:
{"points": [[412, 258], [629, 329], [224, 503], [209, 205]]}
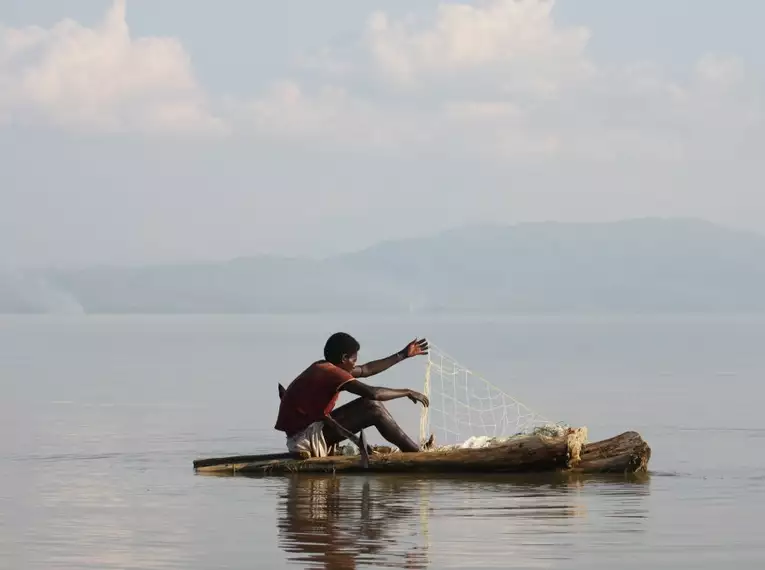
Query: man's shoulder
{"points": [[323, 370], [329, 368]]}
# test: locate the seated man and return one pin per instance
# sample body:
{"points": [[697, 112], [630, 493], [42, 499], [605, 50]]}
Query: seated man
{"points": [[312, 396]]}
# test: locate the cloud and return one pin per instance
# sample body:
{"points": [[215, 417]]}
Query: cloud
{"points": [[502, 78], [495, 78], [518, 39], [722, 71], [287, 110], [100, 79], [329, 116]]}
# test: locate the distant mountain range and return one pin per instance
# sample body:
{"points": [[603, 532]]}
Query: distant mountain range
{"points": [[633, 266]]}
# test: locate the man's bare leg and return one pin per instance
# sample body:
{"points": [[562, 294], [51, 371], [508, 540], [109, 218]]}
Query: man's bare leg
{"points": [[363, 413]]}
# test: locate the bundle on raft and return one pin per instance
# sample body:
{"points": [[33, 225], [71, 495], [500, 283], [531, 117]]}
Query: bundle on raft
{"points": [[569, 452]]}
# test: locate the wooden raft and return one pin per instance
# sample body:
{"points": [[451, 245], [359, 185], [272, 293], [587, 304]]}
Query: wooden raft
{"points": [[625, 453]]}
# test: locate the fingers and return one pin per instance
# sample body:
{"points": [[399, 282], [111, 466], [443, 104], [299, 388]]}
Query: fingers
{"points": [[422, 398], [418, 346]]}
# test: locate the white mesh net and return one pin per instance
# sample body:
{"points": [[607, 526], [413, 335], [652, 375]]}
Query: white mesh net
{"points": [[467, 411]]}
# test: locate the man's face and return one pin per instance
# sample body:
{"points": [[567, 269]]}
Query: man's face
{"points": [[349, 361]]}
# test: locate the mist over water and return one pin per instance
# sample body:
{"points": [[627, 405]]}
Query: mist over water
{"points": [[101, 417], [27, 292]]}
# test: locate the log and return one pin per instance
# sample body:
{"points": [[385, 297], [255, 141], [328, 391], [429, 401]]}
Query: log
{"points": [[521, 455], [625, 453], [226, 462]]}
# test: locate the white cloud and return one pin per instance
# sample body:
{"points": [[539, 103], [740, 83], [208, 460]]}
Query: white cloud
{"points": [[502, 78], [517, 38], [720, 70], [497, 78], [328, 116], [100, 79]]}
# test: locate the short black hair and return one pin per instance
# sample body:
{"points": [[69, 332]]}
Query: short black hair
{"points": [[339, 344]]}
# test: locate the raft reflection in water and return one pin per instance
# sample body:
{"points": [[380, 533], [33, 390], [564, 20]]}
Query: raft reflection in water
{"points": [[399, 521], [339, 522]]}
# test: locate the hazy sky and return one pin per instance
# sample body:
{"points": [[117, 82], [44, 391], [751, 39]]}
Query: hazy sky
{"points": [[182, 130]]}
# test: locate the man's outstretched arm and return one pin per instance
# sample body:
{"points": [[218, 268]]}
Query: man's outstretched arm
{"points": [[414, 348], [383, 394]]}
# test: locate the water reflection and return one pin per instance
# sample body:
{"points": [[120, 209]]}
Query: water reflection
{"points": [[339, 523]]}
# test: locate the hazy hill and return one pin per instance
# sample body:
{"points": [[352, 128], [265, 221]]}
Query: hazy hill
{"points": [[636, 265], [632, 266], [256, 285]]}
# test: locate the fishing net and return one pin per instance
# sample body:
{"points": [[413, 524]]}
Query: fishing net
{"points": [[468, 411]]}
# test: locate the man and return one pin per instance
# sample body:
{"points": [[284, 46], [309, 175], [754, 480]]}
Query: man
{"points": [[313, 394]]}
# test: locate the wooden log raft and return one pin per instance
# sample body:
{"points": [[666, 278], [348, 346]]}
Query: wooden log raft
{"points": [[626, 453]]}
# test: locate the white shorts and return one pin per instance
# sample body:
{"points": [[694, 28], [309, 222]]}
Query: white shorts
{"points": [[310, 440]]}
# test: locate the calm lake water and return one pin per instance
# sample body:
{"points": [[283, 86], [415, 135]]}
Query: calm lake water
{"points": [[101, 417]]}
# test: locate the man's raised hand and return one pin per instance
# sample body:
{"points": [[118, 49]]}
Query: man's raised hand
{"points": [[416, 348]]}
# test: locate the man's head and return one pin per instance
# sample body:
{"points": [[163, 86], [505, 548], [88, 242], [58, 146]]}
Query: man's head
{"points": [[342, 350]]}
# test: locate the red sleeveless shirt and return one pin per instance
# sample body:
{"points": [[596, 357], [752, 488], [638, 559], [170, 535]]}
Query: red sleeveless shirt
{"points": [[310, 396]]}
